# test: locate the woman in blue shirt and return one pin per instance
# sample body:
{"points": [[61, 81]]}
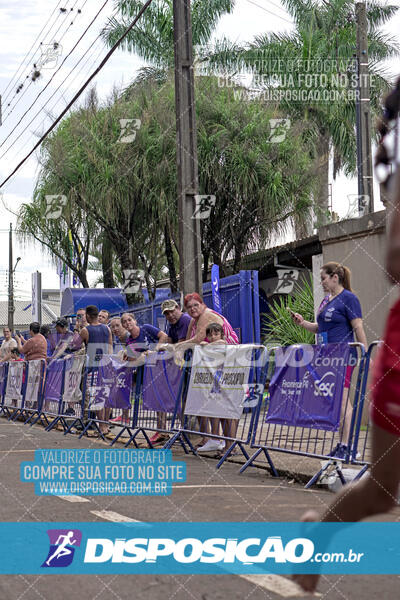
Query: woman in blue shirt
{"points": [[339, 317]]}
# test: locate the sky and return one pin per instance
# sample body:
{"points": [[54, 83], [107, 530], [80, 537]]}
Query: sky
{"points": [[26, 23]]}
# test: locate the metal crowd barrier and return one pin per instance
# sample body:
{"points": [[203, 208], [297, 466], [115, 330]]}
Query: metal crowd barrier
{"points": [[63, 394], [310, 440], [361, 451], [21, 387], [251, 397], [158, 394]]}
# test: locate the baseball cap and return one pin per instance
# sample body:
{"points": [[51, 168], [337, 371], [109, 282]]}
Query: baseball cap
{"points": [[168, 305]]}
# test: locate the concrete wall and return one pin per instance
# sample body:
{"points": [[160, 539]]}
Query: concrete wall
{"points": [[360, 244]]}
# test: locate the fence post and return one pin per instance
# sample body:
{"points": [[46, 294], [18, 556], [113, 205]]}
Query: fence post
{"points": [[256, 308], [245, 305]]}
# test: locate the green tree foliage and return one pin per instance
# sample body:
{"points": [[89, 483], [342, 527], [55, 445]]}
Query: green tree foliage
{"points": [[153, 37], [280, 329], [129, 189], [66, 237], [323, 42]]}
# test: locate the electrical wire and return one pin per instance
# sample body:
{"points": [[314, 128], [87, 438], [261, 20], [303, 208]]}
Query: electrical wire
{"points": [[91, 47], [79, 92], [30, 50], [51, 79], [20, 96]]}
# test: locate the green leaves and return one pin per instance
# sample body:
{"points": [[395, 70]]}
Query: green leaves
{"points": [[280, 329]]}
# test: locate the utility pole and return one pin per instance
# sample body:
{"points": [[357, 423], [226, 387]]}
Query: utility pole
{"points": [[186, 151], [10, 282], [364, 155]]}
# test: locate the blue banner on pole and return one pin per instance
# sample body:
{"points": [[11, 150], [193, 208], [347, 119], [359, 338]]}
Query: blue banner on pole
{"points": [[199, 548], [217, 304], [306, 388]]}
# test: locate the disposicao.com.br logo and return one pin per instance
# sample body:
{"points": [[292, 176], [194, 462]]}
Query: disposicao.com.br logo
{"points": [[62, 547], [192, 550]]}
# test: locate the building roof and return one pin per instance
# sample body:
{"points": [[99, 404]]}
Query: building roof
{"points": [[23, 313]]}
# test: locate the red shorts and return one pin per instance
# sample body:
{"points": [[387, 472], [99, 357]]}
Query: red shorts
{"points": [[385, 388], [347, 377]]}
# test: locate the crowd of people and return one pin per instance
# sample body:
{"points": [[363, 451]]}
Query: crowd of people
{"points": [[95, 334]]}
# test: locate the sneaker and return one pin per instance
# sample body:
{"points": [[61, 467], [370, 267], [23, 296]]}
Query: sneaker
{"points": [[118, 420], [159, 438], [210, 446], [221, 446]]}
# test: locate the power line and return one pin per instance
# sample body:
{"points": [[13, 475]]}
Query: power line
{"points": [[79, 92], [20, 96], [91, 47], [30, 49], [48, 83], [270, 12], [94, 48]]}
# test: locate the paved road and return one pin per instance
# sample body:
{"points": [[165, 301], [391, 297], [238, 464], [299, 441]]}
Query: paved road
{"points": [[207, 495]]}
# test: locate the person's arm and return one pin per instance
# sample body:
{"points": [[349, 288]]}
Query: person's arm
{"points": [[84, 334], [200, 335], [21, 344], [299, 320], [163, 338], [358, 329]]}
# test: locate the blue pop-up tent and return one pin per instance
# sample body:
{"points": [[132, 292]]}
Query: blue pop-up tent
{"points": [[111, 299]]}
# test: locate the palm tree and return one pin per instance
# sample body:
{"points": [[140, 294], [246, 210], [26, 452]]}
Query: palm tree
{"points": [[324, 31], [153, 37]]}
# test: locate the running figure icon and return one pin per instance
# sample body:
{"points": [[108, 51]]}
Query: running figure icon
{"points": [[62, 549]]}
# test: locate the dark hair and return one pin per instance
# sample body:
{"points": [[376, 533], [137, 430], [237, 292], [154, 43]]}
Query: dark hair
{"points": [[343, 273], [105, 310], [385, 125], [193, 296], [15, 351], [34, 327], [215, 327], [92, 311], [62, 323], [45, 330]]}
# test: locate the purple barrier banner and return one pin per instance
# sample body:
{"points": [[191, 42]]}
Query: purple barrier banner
{"points": [[306, 388], [53, 385], [110, 384], [161, 384]]}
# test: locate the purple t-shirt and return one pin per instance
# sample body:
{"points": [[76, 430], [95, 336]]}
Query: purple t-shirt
{"points": [[147, 335], [334, 320], [178, 330]]}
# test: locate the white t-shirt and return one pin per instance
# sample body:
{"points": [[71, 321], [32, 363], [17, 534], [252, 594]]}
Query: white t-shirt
{"points": [[7, 346]]}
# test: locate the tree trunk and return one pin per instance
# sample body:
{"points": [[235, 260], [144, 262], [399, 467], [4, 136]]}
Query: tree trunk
{"points": [[206, 258], [107, 262], [322, 191], [169, 253], [82, 278]]}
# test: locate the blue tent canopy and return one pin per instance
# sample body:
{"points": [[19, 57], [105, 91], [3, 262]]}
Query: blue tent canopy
{"points": [[111, 299]]}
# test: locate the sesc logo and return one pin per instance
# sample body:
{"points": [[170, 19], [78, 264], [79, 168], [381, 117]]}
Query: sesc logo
{"points": [[191, 550], [62, 547], [323, 387]]}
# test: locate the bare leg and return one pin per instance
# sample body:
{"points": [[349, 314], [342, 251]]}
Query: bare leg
{"points": [[215, 425], [374, 494]]}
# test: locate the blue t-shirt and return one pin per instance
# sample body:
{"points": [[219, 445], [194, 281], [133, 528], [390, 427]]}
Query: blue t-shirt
{"points": [[334, 319], [178, 330], [147, 335]]}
